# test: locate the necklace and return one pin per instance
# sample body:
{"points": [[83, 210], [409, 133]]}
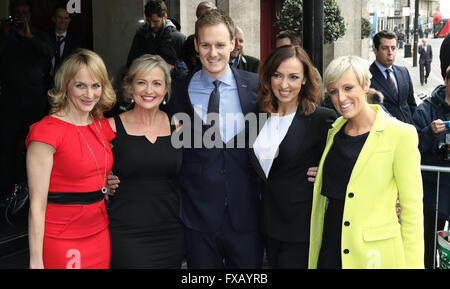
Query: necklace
{"points": [[102, 180]]}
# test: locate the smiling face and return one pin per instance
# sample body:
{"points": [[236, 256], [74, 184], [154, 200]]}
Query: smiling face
{"points": [[348, 97], [61, 19], [149, 89], [286, 83], [214, 45], [83, 91]]}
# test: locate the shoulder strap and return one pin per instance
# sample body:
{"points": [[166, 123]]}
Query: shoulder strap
{"points": [[119, 125]]}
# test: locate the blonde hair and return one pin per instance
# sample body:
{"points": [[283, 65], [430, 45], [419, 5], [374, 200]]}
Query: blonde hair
{"points": [[69, 68], [337, 68], [143, 65]]}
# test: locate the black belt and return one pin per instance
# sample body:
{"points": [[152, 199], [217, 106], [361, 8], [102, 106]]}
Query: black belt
{"points": [[75, 198]]}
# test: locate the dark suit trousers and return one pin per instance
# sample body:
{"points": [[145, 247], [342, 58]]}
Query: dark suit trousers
{"points": [[287, 255], [225, 248], [426, 65]]}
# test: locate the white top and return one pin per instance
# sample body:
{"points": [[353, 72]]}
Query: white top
{"points": [[269, 139]]}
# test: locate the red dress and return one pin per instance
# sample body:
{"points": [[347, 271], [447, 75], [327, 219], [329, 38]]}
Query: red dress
{"points": [[75, 236]]}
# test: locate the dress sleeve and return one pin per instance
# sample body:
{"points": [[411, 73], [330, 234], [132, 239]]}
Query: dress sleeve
{"points": [[44, 131], [107, 130]]}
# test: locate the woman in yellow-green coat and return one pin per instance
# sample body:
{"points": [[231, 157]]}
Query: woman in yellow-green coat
{"points": [[370, 160]]}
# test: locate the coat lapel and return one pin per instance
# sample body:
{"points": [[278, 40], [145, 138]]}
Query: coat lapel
{"points": [[371, 143], [253, 159]]}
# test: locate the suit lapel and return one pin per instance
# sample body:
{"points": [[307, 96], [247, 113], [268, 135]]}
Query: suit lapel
{"points": [[379, 77], [400, 81], [243, 87]]}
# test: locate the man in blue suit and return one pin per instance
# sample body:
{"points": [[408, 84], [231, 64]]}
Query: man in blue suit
{"points": [[219, 197], [391, 80]]}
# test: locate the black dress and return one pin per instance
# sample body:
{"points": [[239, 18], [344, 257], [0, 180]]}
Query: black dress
{"points": [[144, 223], [337, 170]]}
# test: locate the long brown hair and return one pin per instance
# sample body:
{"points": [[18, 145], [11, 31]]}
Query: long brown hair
{"points": [[309, 93]]}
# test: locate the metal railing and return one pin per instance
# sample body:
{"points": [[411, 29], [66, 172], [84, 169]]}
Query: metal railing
{"points": [[438, 170]]}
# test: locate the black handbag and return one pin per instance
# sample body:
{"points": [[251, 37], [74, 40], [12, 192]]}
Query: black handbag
{"points": [[15, 204]]}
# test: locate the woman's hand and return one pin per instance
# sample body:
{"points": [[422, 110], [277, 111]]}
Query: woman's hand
{"points": [[113, 184]]}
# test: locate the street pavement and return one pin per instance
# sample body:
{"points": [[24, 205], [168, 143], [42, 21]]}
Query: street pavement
{"points": [[435, 77]]}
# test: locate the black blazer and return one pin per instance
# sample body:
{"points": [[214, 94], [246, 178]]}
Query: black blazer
{"points": [[248, 63], [72, 41], [213, 180], [286, 193], [404, 104], [425, 56]]}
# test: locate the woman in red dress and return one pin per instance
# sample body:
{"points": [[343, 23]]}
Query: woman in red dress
{"points": [[68, 158]]}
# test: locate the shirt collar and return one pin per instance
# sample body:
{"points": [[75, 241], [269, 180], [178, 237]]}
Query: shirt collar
{"points": [[226, 78], [382, 68], [64, 34]]}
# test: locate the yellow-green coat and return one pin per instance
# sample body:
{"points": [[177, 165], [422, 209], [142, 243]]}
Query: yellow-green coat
{"points": [[388, 167]]}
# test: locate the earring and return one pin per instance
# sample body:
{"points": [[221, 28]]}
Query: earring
{"points": [[165, 100]]}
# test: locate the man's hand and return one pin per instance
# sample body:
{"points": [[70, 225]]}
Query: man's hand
{"points": [[437, 126], [311, 173]]}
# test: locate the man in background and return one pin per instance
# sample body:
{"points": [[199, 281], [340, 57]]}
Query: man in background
{"points": [[65, 42], [425, 59], [393, 81], [238, 59]]}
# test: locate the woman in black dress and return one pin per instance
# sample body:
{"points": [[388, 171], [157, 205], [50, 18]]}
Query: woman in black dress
{"points": [[145, 229]]}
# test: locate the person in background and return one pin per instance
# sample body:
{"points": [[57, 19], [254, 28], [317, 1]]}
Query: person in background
{"points": [[204, 7], [393, 81], [238, 59], [25, 55], [369, 161], [68, 225], [288, 37], [157, 36], [289, 143], [425, 59], [429, 121], [64, 41], [146, 231]]}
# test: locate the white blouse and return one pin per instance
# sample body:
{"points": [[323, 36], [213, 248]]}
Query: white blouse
{"points": [[269, 139]]}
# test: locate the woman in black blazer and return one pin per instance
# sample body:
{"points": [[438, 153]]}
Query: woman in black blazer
{"points": [[289, 142]]}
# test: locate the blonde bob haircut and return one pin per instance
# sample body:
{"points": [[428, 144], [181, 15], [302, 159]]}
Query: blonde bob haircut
{"points": [[340, 65], [141, 66], [69, 68]]}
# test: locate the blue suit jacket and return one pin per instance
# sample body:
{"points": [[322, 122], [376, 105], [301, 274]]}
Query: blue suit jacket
{"points": [[213, 180], [403, 105]]}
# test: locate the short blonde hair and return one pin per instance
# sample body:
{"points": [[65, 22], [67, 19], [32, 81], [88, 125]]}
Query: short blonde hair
{"points": [[340, 65], [69, 68], [143, 65]]}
